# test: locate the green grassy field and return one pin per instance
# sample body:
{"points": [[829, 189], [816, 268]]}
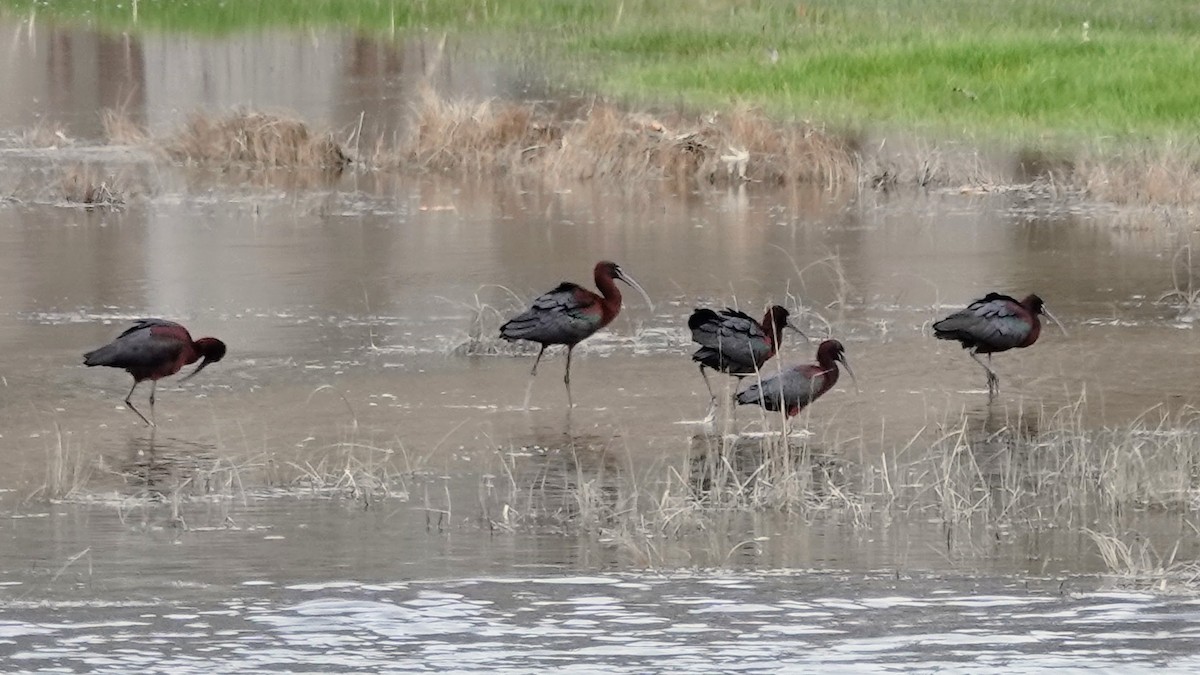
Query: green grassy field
{"points": [[1018, 69]]}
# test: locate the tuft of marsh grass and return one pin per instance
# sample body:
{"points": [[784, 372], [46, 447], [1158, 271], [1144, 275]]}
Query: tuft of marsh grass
{"points": [[483, 330], [1167, 172], [121, 129], [600, 140], [68, 470], [256, 139], [44, 135], [354, 470], [84, 185]]}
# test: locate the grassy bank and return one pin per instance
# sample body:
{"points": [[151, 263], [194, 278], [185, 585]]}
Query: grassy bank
{"points": [[1023, 69]]}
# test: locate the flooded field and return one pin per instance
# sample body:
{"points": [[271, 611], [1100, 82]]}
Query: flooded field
{"points": [[359, 486]]}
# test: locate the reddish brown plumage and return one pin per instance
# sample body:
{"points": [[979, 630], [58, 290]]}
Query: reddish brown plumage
{"points": [[798, 386], [153, 349], [995, 323], [569, 314]]}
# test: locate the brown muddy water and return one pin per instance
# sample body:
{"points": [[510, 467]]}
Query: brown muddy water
{"points": [[358, 486]]}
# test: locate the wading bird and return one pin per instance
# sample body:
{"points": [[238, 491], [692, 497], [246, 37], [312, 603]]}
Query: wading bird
{"points": [[733, 342], [153, 349], [995, 323], [569, 314], [798, 386]]}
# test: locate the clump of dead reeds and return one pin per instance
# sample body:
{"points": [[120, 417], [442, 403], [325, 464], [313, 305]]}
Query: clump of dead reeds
{"points": [[68, 469], [257, 139], [84, 185], [45, 134], [602, 141], [1168, 173], [121, 129], [359, 471]]}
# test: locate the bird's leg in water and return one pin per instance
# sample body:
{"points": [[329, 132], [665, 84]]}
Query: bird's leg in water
{"points": [[153, 388], [532, 374], [992, 381], [711, 414], [130, 404], [538, 360], [567, 377], [709, 385]]}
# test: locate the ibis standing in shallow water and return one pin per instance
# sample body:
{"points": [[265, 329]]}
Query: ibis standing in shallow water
{"points": [[153, 349], [796, 387], [571, 313], [995, 323], [733, 342]]}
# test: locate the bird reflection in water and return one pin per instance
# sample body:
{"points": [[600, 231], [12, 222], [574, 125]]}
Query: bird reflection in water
{"points": [[157, 467], [740, 468]]}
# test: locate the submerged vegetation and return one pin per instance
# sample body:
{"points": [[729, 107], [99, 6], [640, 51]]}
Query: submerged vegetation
{"points": [[1019, 480]]}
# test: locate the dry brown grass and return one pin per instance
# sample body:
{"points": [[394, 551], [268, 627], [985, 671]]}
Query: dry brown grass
{"points": [[601, 141], [45, 135], [596, 140], [85, 185], [252, 138], [121, 129], [1164, 174]]}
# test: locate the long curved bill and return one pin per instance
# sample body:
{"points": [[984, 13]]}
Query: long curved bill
{"points": [[624, 276], [791, 325], [199, 368], [1054, 319], [846, 363]]}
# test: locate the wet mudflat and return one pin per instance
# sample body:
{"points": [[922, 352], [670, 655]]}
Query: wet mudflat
{"points": [[368, 426]]}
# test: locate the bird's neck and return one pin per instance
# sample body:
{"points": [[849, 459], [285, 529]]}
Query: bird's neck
{"points": [[612, 295], [192, 354], [1035, 330], [829, 374], [772, 329]]}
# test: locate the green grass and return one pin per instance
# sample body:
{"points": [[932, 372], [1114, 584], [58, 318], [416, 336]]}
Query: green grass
{"points": [[1018, 69]]}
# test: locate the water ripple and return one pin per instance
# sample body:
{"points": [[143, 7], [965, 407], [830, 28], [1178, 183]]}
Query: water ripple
{"points": [[617, 624]]}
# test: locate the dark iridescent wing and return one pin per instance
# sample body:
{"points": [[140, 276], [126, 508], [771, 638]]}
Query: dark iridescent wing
{"points": [[140, 348], [996, 321], [140, 324], [794, 387], [731, 340], [565, 315]]}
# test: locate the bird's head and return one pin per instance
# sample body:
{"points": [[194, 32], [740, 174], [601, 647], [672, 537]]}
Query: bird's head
{"points": [[777, 317], [1037, 306], [831, 351], [211, 349]]}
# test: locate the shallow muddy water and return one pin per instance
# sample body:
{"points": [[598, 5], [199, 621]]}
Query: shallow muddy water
{"points": [[361, 314], [814, 622]]}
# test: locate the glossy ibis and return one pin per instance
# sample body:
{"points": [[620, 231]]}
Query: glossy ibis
{"points": [[570, 313], [995, 323], [797, 386], [733, 342], [153, 349]]}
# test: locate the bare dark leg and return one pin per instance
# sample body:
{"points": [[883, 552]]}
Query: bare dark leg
{"points": [[567, 377], [993, 382], [130, 404], [153, 388], [709, 385], [711, 414], [538, 360]]}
